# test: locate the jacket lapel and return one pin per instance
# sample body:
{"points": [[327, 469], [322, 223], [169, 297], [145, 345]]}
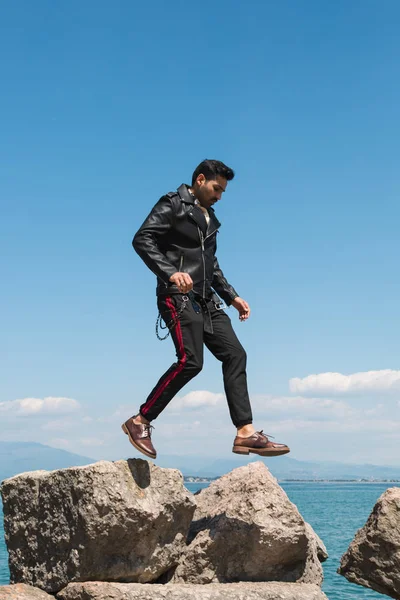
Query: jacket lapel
{"points": [[214, 223], [196, 214]]}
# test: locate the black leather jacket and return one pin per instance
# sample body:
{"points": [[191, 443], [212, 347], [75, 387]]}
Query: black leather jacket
{"points": [[175, 237]]}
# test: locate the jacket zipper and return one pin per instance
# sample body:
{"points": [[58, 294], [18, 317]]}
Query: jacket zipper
{"points": [[204, 262], [202, 240], [181, 263], [211, 234]]}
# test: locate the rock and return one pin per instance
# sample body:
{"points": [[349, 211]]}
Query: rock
{"points": [[213, 591], [246, 529], [122, 521], [20, 591], [320, 547], [373, 557]]}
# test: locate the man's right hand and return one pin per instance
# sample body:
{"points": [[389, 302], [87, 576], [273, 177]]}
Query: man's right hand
{"points": [[183, 282]]}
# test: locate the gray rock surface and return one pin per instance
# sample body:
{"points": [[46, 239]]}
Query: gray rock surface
{"points": [[20, 591], [122, 521], [373, 557], [246, 529], [320, 547], [219, 591]]}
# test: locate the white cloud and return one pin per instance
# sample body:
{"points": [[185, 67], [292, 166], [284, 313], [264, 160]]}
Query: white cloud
{"points": [[91, 442], [198, 399], [331, 384], [60, 443], [184, 430], [373, 426], [377, 410], [57, 425], [324, 428], [39, 406], [323, 407]]}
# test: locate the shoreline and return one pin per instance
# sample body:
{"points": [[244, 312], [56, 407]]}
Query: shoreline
{"points": [[194, 479]]}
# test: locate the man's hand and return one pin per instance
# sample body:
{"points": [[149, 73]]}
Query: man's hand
{"points": [[242, 307], [183, 281]]}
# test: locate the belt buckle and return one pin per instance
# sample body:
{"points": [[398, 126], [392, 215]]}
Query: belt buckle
{"points": [[220, 305]]}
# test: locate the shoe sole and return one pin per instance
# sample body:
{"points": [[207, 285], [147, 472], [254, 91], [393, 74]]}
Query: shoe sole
{"points": [[259, 451], [125, 430]]}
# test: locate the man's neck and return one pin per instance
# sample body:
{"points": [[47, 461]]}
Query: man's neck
{"points": [[197, 201]]}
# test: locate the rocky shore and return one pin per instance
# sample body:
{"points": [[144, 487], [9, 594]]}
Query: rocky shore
{"points": [[130, 529], [373, 557]]}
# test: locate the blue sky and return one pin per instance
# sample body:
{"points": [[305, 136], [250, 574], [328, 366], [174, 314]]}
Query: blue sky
{"points": [[105, 107]]}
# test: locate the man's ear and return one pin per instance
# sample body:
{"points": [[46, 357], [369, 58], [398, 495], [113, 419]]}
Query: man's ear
{"points": [[200, 179]]}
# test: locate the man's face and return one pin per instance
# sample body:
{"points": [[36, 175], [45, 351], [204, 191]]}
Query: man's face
{"points": [[209, 192]]}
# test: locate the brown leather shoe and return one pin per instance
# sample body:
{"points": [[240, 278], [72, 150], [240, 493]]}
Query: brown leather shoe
{"points": [[258, 443], [140, 437]]}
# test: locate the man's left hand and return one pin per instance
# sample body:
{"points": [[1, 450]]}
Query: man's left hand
{"points": [[242, 307]]}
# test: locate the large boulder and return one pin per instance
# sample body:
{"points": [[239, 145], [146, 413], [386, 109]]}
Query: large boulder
{"points": [[373, 557], [21, 591], [219, 591], [319, 546], [122, 521], [246, 529]]}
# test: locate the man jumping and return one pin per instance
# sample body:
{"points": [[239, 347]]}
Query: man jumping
{"points": [[178, 242]]}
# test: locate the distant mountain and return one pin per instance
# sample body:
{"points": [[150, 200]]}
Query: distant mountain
{"points": [[282, 467], [17, 457]]}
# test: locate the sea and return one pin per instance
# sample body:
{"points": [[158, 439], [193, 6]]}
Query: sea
{"points": [[334, 510]]}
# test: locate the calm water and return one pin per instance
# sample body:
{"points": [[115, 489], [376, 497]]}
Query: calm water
{"points": [[334, 510]]}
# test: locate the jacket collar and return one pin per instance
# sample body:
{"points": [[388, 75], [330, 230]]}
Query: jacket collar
{"points": [[183, 192], [196, 212]]}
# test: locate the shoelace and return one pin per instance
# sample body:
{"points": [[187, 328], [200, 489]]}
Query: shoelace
{"points": [[147, 430], [265, 434]]}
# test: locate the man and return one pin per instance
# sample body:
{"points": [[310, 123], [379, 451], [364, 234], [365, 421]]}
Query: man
{"points": [[177, 241]]}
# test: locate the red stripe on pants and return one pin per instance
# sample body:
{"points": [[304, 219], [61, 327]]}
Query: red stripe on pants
{"points": [[181, 358]]}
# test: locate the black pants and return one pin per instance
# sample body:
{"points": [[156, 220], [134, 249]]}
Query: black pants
{"points": [[192, 330]]}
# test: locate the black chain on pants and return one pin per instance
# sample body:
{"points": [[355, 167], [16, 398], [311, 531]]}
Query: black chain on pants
{"points": [[172, 323]]}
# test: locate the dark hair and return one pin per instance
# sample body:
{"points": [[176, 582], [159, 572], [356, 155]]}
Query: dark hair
{"points": [[210, 169]]}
